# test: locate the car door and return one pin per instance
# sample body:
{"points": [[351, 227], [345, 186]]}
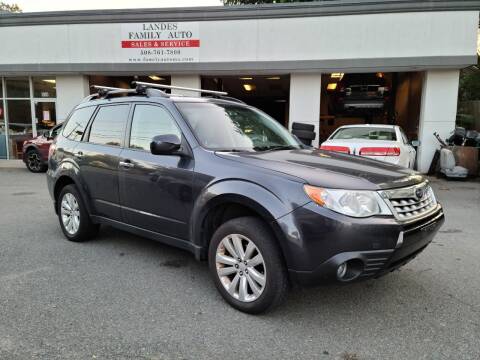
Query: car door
{"points": [[98, 157], [155, 190]]}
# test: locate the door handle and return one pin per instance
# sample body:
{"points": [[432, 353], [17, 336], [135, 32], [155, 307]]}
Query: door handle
{"points": [[126, 164]]}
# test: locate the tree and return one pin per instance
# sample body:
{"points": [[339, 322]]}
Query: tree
{"points": [[256, 2], [469, 88], [13, 8]]}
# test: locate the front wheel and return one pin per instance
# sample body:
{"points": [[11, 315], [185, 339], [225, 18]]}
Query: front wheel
{"points": [[247, 265], [73, 215]]}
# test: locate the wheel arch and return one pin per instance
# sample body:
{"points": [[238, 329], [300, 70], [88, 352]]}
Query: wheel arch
{"points": [[216, 205], [67, 176]]}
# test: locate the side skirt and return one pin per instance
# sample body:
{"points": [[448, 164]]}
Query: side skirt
{"points": [[165, 239]]}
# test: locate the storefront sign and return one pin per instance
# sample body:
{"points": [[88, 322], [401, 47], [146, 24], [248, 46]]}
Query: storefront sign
{"points": [[164, 42]]}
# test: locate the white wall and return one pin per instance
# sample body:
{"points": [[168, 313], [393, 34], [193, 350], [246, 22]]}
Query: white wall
{"points": [[190, 81], [305, 101], [70, 91], [437, 113], [349, 37]]}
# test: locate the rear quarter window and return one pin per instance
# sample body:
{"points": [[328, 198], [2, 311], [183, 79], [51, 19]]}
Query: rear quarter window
{"points": [[76, 124]]}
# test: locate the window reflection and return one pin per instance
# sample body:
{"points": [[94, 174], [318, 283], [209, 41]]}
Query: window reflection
{"points": [[19, 125], [17, 87]]}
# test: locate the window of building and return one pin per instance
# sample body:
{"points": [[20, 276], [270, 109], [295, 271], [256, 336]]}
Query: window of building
{"points": [[3, 130], [27, 109], [76, 124], [149, 121], [109, 125]]}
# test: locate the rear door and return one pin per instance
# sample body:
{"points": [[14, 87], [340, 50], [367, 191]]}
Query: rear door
{"points": [[155, 190], [98, 158]]}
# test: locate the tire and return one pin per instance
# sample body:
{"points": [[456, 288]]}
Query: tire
{"points": [[85, 230], [270, 267], [304, 134], [302, 126], [34, 162]]}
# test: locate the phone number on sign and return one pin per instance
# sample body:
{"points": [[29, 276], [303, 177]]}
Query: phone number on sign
{"points": [[160, 52]]}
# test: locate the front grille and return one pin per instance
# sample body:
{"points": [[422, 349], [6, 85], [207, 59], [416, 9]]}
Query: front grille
{"points": [[410, 202]]}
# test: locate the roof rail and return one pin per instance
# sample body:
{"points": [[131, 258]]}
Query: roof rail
{"points": [[161, 86]]}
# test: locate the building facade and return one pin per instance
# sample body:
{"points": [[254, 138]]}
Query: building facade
{"points": [[288, 59]]}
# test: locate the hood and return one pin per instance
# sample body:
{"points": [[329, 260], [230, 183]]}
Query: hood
{"points": [[330, 169]]}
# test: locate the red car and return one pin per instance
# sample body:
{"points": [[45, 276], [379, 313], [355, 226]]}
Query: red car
{"points": [[35, 151]]}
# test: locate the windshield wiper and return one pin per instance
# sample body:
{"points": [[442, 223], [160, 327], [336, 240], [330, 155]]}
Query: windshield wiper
{"points": [[277, 147], [230, 150]]}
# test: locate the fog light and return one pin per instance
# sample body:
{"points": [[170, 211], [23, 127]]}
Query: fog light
{"points": [[342, 270]]}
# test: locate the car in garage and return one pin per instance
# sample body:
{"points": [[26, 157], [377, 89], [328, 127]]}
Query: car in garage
{"points": [[386, 143], [229, 184], [35, 151], [362, 92]]}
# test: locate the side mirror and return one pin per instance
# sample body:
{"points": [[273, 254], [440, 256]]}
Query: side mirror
{"points": [[415, 143], [165, 144]]}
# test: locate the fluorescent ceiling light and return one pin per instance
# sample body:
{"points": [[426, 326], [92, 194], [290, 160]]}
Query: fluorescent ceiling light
{"points": [[273, 78], [50, 81], [156, 78], [246, 78], [249, 87], [332, 86], [337, 75]]}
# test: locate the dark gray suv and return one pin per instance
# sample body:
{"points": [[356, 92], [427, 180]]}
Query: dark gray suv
{"points": [[227, 183]]}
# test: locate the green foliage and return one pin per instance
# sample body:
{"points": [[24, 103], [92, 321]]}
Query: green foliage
{"points": [[256, 2], [469, 87], [13, 8]]}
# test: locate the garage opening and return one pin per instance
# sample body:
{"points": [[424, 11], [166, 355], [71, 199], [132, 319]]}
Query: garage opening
{"points": [[370, 98], [269, 93]]}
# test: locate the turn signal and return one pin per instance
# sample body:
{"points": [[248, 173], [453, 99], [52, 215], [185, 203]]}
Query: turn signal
{"points": [[316, 194]]}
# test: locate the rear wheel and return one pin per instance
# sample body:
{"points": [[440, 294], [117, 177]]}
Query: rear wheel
{"points": [[34, 162], [247, 265], [73, 216]]}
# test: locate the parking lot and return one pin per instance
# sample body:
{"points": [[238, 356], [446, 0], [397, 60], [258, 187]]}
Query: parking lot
{"points": [[124, 297]]}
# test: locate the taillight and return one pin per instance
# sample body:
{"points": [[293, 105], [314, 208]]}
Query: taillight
{"points": [[342, 149], [380, 151]]}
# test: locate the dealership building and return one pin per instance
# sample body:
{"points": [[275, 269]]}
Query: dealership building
{"points": [[297, 62]]}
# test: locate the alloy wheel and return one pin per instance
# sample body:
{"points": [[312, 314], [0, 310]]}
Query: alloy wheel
{"points": [[33, 161], [241, 267], [70, 213]]}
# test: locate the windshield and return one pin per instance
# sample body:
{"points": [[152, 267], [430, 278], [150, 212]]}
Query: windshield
{"points": [[235, 128], [369, 133]]}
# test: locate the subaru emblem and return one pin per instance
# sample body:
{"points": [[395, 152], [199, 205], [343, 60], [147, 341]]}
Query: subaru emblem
{"points": [[419, 193]]}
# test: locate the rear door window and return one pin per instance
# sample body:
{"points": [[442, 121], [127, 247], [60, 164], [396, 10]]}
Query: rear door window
{"points": [[108, 127], [76, 124]]}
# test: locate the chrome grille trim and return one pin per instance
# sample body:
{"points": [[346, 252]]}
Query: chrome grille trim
{"points": [[406, 204]]}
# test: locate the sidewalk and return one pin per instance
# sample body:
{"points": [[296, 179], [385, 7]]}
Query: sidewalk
{"points": [[11, 164]]}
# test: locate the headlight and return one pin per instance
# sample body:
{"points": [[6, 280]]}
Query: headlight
{"points": [[356, 203]]}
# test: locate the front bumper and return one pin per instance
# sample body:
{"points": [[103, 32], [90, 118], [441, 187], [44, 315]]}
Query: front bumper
{"points": [[371, 247]]}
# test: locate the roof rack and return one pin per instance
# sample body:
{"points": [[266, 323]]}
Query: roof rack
{"points": [[151, 89], [105, 91], [161, 86]]}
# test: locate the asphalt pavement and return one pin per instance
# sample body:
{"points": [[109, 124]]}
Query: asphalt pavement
{"points": [[124, 297]]}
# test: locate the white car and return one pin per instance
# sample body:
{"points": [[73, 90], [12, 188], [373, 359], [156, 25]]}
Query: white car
{"points": [[381, 142]]}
